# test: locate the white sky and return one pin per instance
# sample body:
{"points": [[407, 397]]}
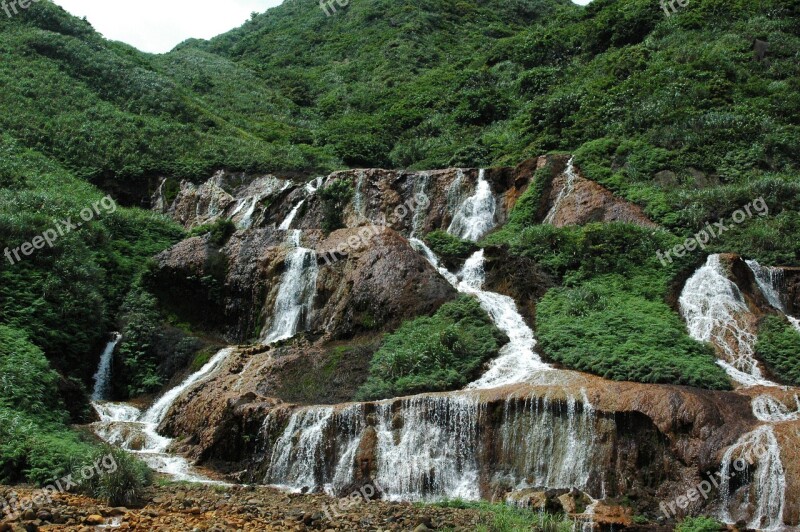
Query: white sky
{"points": [[158, 25]]}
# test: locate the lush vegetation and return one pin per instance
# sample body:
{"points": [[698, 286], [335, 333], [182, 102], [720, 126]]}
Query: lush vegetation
{"points": [[699, 524], [437, 353], [499, 517], [447, 246], [779, 346]]}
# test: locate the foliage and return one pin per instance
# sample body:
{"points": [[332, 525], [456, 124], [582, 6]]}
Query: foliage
{"points": [[35, 445], [446, 245], [699, 524], [137, 350], [123, 480], [601, 328], [220, 231], [499, 517], [438, 353], [779, 345], [335, 197]]}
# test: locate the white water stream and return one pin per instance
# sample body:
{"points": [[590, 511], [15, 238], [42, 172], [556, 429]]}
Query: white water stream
{"points": [[476, 216], [566, 190]]}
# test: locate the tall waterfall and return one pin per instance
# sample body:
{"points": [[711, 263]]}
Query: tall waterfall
{"points": [[715, 311], [287, 223], [296, 292], [102, 378], [476, 216], [568, 188]]}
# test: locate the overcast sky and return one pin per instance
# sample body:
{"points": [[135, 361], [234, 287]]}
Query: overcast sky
{"points": [[158, 25]]}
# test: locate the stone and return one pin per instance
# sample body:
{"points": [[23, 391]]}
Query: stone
{"points": [[94, 520]]}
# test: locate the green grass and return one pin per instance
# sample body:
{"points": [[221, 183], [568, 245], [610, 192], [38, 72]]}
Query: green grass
{"points": [[437, 353], [499, 517], [779, 347], [699, 524]]}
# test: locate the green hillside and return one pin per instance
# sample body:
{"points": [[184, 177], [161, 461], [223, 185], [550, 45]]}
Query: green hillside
{"points": [[673, 113]]}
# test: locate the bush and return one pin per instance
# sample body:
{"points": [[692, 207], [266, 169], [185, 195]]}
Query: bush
{"points": [[439, 353], [120, 484], [699, 524], [220, 231], [447, 246], [335, 198], [601, 328], [779, 346]]}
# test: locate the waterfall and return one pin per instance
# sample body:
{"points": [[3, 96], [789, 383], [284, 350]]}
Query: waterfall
{"points": [[358, 197], [476, 216], [421, 185], [127, 427], [770, 281], [559, 441], [795, 322], [766, 489], [287, 223], [715, 311], [517, 361], [296, 292], [102, 378], [433, 454], [160, 408], [767, 408], [297, 454], [568, 188]]}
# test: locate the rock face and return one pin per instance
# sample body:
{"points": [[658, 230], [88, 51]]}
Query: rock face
{"points": [[373, 285], [574, 200]]}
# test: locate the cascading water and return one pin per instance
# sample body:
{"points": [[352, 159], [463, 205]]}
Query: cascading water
{"points": [[102, 378], [715, 311], [767, 408], [126, 427], [296, 292], [476, 216], [287, 223], [770, 281], [569, 187], [358, 197], [766, 491]]}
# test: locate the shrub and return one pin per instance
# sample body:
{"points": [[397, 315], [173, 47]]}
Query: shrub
{"points": [[335, 198], [220, 231], [778, 346], [445, 245], [120, 484], [601, 328], [438, 353], [699, 524]]}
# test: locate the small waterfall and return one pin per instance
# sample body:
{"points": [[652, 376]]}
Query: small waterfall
{"points": [[766, 489], [296, 292], [767, 408], [127, 427], [517, 361], [559, 441], [568, 188], [476, 216], [156, 413], [433, 453], [715, 311], [358, 197], [795, 322], [770, 281], [287, 223], [102, 378], [421, 185], [297, 455]]}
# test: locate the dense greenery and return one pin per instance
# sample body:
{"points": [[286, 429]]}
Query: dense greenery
{"points": [[123, 483], [601, 328], [447, 246], [699, 524], [335, 198], [437, 353], [779, 346], [500, 517]]}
